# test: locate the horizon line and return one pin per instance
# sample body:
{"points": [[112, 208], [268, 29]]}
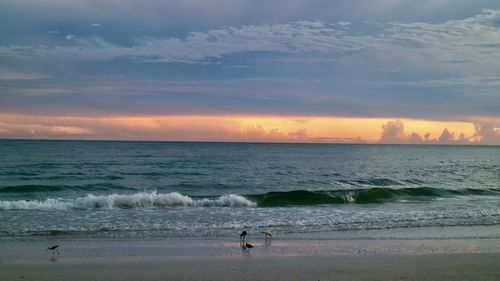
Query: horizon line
{"points": [[246, 142]]}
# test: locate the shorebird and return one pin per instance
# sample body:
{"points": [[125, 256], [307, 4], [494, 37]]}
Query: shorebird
{"points": [[242, 237], [267, 233], [245, 247], [53, 249], [268, 237]]}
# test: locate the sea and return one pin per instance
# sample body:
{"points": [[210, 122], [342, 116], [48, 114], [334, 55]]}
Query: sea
{"points": [[60, 190]]}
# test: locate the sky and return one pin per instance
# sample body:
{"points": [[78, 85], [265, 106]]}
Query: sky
{"points": [[334, 71]]}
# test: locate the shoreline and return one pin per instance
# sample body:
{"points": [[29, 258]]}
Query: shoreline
{"points": [[172, 248], [457, 259]]}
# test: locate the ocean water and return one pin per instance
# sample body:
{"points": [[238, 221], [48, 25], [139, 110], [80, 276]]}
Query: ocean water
{"points": [[183, 190]]}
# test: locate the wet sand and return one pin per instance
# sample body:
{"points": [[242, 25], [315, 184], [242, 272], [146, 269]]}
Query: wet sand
{"points": [[282, 260]]}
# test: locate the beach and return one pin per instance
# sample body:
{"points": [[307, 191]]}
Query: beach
{"points": [[174, 211], [468, 259], [249, 140]]}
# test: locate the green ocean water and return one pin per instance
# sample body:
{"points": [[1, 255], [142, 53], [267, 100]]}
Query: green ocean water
{"points": [[97, 189]]}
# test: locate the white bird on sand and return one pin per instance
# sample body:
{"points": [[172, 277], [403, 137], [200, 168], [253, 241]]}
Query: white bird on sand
{"points": [[54, 249], [267, 233]]}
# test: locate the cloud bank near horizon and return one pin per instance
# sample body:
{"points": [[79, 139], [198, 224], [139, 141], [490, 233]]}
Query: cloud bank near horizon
{"points": [[237, 128], [393, 132]]}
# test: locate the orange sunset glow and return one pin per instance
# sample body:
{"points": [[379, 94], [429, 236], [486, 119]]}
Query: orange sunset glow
{"points": [[238, 128]]}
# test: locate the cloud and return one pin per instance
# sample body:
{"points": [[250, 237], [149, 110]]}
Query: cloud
{"points": [[393, 132], [473, 81], [252, 132], [69, 130], [224, 128], [275, 134], [11, 74], [358, 140], [488, 133], [255, 132], [474, 39], [194, 128], [446, 137], [416, 138], [300, 134], [201, 47], [116, 128], [206, 128], [446, 69], [343, 23]]}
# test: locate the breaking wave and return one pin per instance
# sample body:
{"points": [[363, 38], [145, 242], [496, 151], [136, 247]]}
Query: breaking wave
{"points": [[364, 196], [270, 199], [137, 200]]}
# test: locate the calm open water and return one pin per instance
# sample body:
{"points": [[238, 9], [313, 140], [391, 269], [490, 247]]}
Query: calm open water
{"points": [[97, 189]]}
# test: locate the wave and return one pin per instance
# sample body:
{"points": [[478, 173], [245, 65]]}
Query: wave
{"points": [[270, 199], [136, 200], [364, 196], [53, 188], [372, 182]]}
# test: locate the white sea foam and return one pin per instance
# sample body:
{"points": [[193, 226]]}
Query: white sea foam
{"points": [[136, 200], [350, 197], [34, 204]]}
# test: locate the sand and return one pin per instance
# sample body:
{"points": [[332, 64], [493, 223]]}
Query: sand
{"points": [[282, 260]]}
